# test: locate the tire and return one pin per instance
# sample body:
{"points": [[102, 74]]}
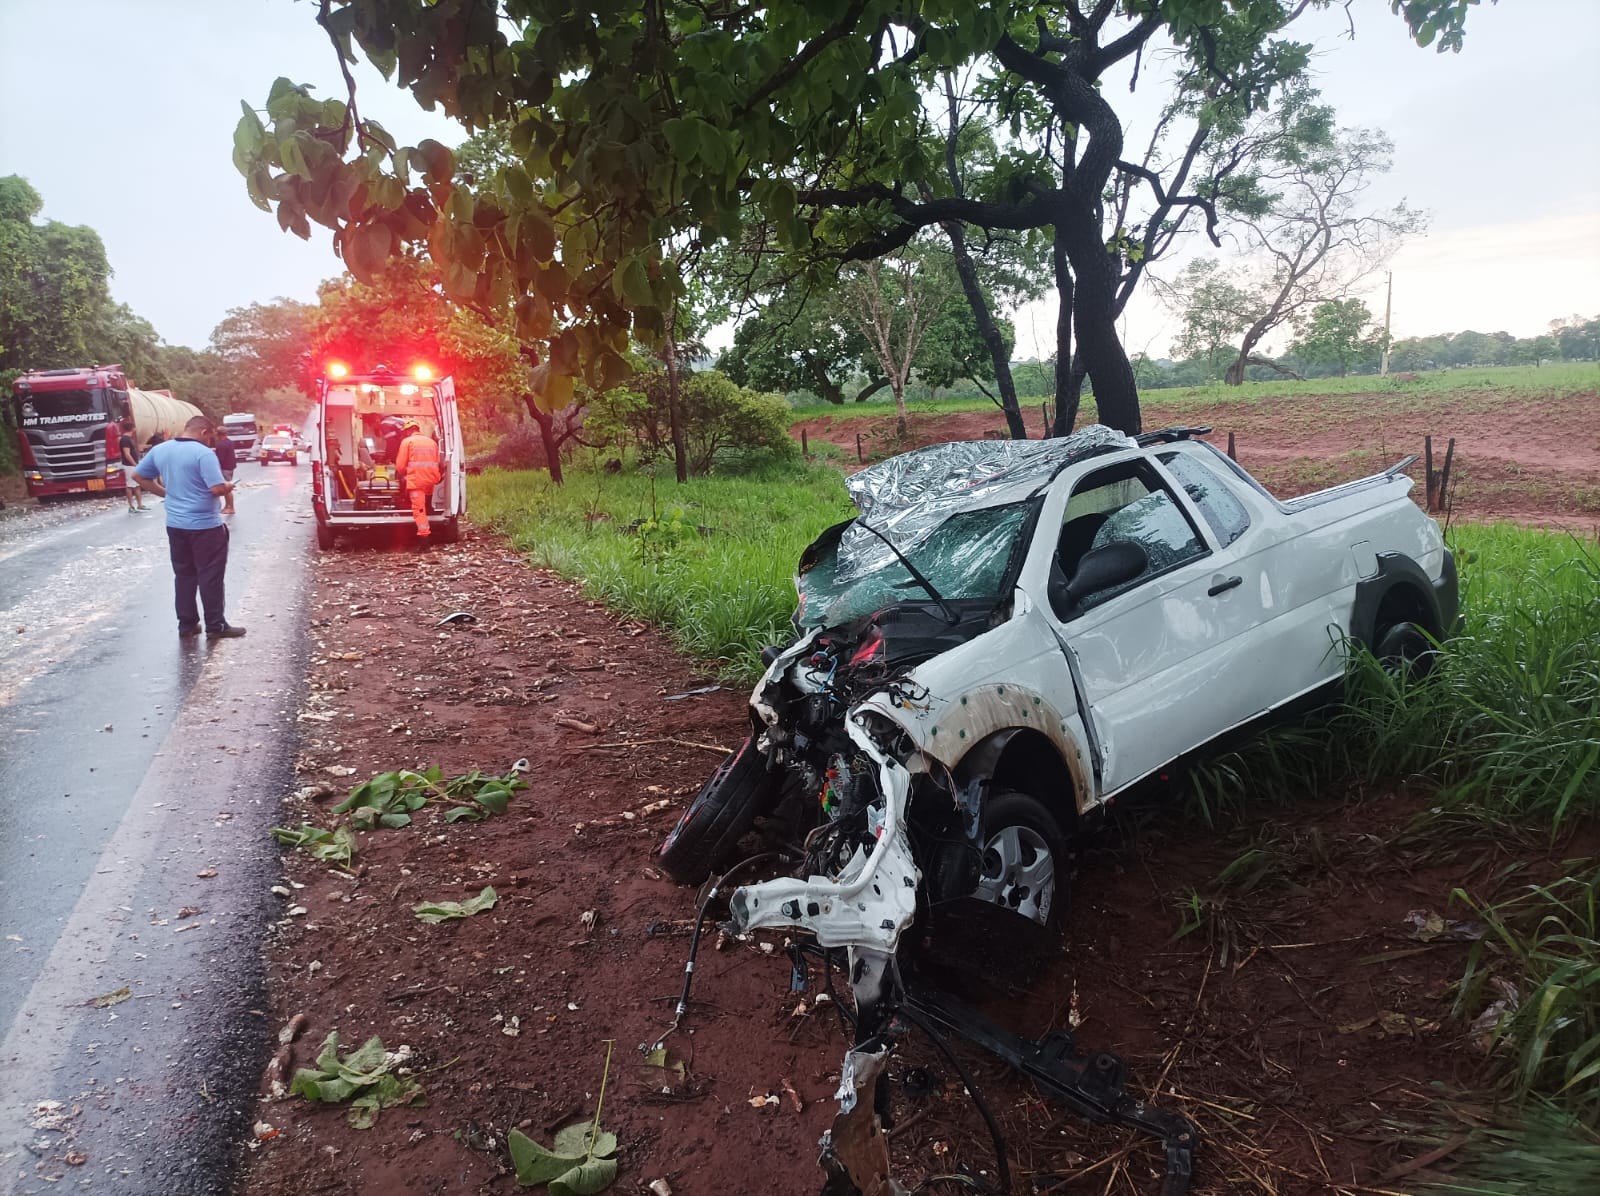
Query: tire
{"points": [[262, 462], [324, 536], [449, 531], [1404, 649], [1024, 858], [718, 817]]}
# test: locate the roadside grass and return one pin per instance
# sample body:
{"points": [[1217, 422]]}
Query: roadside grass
{"points": [[710, 562], [1506, 732]]}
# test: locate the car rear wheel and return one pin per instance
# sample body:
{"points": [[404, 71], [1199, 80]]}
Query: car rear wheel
{"points": [[1403, 648], [718, 817], [1024, 858]]}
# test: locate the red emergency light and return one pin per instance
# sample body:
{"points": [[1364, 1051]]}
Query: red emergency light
{"points": [[338, 369], [422, 373]]}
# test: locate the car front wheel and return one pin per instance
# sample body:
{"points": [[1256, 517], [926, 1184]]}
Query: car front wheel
{"points": [[1024, 861], [718, 817], [1404, 648]]}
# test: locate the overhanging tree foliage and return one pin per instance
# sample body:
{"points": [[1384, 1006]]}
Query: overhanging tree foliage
{"points": [[643, 126]]}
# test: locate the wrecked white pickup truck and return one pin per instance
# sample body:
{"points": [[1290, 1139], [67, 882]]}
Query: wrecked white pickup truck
{"points": [[1012, 634]]}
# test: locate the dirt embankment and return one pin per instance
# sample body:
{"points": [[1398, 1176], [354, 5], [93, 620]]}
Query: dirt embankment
{"points": [[1293, 1022], [1532, 458]]}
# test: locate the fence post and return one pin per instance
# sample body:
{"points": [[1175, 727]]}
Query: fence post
{"points": [[860, 459], [805, 447], [1427, 468], [1232, 455], [1444, 474], [1044, 410]]}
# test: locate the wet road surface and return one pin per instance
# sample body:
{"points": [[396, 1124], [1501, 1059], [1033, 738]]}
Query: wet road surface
{"points": [[139, 775]]}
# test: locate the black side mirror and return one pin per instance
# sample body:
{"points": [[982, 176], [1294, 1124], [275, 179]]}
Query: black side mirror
{"points": [[1106, 567]]}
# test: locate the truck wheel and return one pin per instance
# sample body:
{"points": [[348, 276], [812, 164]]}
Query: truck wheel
{"points": [[718, 817], [1024, 858], [324, 536], [262, 462], [449, 531]]}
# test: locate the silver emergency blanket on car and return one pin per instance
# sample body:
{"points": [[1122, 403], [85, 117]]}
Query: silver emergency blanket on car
{"points": [[909, 497]]}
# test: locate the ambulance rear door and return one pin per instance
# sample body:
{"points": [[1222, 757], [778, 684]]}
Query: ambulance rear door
{"points": [[453, 448]]}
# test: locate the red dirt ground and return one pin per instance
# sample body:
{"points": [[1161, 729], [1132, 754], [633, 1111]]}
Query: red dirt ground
{"points": [[1279, 1026], [1534, 460]]}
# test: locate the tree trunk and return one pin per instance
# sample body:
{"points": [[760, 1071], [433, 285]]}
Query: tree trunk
{"points": [[825, 386], [899, 407], [984, 319], [680, 456], [1094, 309], [547, 434], [1066, 411], [1252, 338]]}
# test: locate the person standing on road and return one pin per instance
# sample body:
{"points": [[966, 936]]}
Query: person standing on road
{"points": [[128, 447], [418, 467], [228, 459], [186, 473]]}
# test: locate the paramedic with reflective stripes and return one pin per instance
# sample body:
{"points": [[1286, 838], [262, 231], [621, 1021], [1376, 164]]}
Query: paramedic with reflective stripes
{"points": [[418, 466]]}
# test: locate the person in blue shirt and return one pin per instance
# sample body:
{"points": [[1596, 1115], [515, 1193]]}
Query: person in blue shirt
{"points": [[187, 474]]}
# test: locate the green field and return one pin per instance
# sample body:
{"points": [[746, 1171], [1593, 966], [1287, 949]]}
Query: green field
{"points": [[1554, 378]]}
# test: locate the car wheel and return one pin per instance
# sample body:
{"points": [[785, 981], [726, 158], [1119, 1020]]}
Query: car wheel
{"points": [[1024, 860], [1403, 648], [324, 536], [718, 817]]}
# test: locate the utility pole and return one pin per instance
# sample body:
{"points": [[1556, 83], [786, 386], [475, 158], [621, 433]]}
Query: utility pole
{"points": [[1388, 305]]}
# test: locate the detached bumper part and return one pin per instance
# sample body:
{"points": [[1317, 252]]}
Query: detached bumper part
{"points": [[855, 1151], [868, 906]]}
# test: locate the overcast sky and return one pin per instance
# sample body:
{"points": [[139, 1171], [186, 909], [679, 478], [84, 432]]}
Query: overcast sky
{"points": [[121, 115]]}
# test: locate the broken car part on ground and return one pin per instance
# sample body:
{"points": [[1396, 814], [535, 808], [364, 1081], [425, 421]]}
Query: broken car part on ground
{"points": [[1009, 636]]}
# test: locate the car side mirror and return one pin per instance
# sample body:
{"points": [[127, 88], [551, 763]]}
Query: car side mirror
{"points": [[1105, 567]]}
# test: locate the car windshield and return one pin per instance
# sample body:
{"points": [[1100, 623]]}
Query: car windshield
{"points": [[964, 557]]}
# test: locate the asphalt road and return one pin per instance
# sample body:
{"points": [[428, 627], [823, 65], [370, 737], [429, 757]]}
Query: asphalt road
{"points": [[139, 775]]}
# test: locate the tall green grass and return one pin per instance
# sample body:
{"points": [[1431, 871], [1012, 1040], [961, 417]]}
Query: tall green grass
{"points": [[1544, 942], [718, 577], [1507, 725]]}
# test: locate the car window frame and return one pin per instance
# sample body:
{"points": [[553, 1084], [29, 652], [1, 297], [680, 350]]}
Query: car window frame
{"points": [[1155, 479], [1162, 462]]}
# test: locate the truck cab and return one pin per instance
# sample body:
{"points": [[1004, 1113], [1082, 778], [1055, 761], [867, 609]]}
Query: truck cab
{"points": [[240, 427], [355, 434]]}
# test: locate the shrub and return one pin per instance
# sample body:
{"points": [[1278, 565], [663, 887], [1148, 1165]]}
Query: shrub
{"points": [[724, 425]]}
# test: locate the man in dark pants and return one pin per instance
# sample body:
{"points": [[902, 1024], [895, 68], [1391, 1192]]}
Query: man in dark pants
{"points": [[185, 472]]}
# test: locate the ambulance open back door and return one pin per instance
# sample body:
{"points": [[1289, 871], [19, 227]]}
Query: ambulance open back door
{"points": [[356, 433]]}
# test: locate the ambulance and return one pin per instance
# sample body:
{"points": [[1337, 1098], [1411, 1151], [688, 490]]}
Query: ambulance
{"points": [[355, 435]]}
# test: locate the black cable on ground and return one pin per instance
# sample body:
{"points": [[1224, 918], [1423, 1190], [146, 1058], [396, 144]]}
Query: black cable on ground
{"points": [[1002, 1166], [694, 939]]}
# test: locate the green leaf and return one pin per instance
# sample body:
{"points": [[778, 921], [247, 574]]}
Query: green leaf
{"points": [[291, 152], [366, 249], [439, 162], [532, 1162], [586, 1179], [633, 282], [434, 912], [465, 814]]}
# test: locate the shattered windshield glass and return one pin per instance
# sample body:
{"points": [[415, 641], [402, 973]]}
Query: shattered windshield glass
{"points": [[965, 557], [954, 509]]}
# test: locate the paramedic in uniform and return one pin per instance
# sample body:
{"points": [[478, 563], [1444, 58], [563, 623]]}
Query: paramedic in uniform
{"points": [[417, 463]]}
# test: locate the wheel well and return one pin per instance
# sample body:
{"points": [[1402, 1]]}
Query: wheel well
{"points": [[1026, 761]]}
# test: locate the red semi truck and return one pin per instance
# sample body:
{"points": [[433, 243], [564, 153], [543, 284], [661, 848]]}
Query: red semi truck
{"points": [[66, 423]]}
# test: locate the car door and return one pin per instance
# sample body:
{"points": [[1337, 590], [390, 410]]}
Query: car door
{"points": [[1153, 654]]}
